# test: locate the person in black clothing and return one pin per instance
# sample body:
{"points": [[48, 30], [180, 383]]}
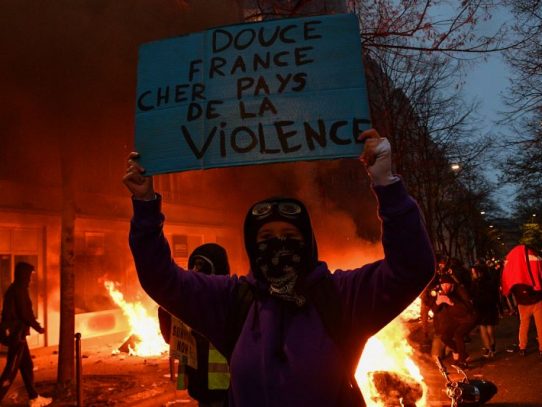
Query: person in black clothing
{"points": [[454, 317], [208, 384], [485, 295], [17, 318], [460, 273]]}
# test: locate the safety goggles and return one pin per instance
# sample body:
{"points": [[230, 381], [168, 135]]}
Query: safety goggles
{"points": [[203, 264], [286, 209]]}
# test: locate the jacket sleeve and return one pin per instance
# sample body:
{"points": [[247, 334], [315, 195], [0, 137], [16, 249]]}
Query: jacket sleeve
{"points": [[199, 300], [376, 293], [23, 305]]}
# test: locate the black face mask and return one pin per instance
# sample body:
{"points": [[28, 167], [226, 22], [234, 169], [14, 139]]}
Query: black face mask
{"points": [[280, 261], [280, 256]]}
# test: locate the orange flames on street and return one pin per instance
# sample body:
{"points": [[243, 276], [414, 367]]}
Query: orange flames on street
{"points": [[145, 327], [389, 351]]}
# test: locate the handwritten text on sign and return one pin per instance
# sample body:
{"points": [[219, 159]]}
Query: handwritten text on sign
{"points": [[182, 343], [282, 90]]}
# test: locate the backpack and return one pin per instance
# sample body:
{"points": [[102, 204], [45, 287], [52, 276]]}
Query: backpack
{"points": [[325, 297], [526, 295], [523, 293]]}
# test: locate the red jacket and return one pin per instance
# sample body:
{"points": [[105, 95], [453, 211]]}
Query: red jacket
{"points": [[516, 271]]}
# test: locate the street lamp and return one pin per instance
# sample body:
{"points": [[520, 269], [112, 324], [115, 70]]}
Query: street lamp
{"points": [[482, 212], [455, 167]]}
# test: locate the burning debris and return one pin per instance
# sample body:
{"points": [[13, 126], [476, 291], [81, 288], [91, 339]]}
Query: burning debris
{"points": [[144, 338], [395, 390], [387, 373], [131, 343]]}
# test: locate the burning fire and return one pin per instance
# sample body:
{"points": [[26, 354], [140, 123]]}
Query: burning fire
{"points": [[386, 373], [148, 340]]}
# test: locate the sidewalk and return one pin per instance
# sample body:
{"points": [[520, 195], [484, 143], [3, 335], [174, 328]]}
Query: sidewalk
{"points": [[122, 380], [108, 379]]}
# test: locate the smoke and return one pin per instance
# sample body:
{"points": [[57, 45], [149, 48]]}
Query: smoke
{"points": [[69, 75]]}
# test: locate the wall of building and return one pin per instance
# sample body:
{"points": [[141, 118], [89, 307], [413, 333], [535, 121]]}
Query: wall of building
{"points": [[101, 254]]}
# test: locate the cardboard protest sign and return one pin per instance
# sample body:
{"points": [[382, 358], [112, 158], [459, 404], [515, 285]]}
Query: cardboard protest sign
{"points": [[182, 343], [275, 91]]}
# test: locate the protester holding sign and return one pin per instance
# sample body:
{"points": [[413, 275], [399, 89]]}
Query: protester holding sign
{"points": [[293, 331]]}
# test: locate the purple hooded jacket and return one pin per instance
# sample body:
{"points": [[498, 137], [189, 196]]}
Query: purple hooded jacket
{"points": [[283, 356]]}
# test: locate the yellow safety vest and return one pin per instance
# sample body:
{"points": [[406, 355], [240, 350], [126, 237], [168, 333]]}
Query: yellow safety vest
{"points": [[218, 374]]}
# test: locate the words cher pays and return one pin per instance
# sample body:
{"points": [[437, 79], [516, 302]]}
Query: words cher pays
{"points": [[281, 90]]}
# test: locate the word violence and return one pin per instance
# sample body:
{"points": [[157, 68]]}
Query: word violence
{"points": [[275, 138]]}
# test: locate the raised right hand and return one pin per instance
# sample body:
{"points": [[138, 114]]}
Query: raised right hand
{"points": [[139, 185]]}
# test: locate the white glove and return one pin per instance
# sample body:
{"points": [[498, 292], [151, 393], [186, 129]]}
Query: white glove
{"points": [[377, 159]]}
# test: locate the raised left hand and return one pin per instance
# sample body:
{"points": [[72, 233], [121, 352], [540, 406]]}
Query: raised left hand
{"points": [[377, 157]]}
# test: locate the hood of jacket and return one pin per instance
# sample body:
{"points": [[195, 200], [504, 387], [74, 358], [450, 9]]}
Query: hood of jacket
{"points": [[23, 274], [215, 255], [301, 220]]}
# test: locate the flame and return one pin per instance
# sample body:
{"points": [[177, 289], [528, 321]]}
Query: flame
{"points": [[143, 326], [412, 312], [389, 351]]}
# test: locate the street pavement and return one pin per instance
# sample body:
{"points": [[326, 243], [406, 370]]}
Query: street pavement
{"points": [[518, 378], [121, 380]]}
